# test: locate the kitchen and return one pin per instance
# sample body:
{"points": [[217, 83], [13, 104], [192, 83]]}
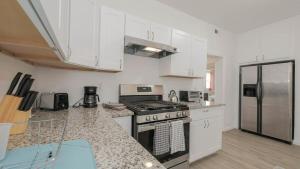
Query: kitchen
{"points": [[135, 69]]}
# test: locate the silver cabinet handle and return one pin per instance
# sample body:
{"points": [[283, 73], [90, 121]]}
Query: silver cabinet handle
{"points": [[121, 63], [204, 123], [152, 35]]}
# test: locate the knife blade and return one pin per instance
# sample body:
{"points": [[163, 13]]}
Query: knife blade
{"points": [[21, 84], [24, 101], [26, 87], [14, 83], [31, 100]]}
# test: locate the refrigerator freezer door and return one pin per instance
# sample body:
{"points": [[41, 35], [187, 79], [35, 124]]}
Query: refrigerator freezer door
{"points": [[277, 100], [249, 107]]}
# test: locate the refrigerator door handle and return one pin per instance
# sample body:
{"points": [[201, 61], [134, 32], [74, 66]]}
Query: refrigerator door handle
{"points": [[258, 93]]}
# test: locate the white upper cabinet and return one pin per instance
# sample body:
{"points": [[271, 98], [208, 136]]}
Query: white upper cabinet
{"points": [[83, 33], [55, 16], [142, 29], [161, 34], [180, 62], [190, 59], [137, 27], [271, 42], [277, 40], [198, 57], [249, 49], [111, 50]]}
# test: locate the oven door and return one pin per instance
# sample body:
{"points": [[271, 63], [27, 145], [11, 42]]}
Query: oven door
{"points": [[145, 137]]}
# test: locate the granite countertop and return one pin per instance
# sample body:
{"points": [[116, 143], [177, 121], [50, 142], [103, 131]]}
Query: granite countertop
{"points": [[202, 105], [112, 146]]}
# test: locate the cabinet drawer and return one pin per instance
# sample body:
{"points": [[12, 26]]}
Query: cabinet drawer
{"points": [[198, 114]]}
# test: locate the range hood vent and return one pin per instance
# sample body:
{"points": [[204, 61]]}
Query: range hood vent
{"points": [[140, 47]]}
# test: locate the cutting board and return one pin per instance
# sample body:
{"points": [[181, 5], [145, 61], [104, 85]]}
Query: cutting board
{"points": [[75, 154]]}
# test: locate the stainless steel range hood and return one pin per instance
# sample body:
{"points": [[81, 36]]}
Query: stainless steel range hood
{"points": [[140, 47]]}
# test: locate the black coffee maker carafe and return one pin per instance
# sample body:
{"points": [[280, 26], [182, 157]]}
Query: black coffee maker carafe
{"points": [[91, 98]]}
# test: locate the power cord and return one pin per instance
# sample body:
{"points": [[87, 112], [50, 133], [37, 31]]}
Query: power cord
{"points": [[78, 104]]}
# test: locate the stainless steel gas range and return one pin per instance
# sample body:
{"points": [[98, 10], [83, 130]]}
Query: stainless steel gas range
{"points": [[146, 101]]}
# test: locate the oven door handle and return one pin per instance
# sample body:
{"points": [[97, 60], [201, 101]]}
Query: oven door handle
{"points": [[151, 126]]}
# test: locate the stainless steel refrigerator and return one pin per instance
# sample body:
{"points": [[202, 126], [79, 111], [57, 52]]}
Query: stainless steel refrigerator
{"points": [[267, 99]]}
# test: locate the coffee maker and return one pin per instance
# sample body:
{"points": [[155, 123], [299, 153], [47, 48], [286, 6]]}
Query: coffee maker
{"points": [[91, 98]]}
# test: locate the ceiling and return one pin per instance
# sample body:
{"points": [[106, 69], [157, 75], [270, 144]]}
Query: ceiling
{"points": [[237, 15]]}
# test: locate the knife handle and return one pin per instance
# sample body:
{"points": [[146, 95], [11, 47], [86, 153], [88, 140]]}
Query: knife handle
{"points": [[21, 84], [24, 101], [31, 100], [14, 83], [26, 87]]}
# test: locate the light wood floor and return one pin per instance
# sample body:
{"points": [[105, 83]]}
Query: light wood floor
{"points": [[246, 151]]}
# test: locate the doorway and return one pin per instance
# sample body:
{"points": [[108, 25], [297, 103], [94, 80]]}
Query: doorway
{"points": [[214, 78]]}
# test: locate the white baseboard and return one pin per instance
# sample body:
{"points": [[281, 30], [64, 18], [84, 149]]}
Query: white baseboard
{"points": [[227, 128], [296, 142]]}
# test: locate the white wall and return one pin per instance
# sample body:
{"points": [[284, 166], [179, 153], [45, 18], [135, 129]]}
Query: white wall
{"points": [[139, 70], [8, 69], [296, 39]]}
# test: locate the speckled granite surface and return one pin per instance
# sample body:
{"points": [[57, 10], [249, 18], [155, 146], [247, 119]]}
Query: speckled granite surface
{"points": [[112, 146], [203, 105], [116, 113]]}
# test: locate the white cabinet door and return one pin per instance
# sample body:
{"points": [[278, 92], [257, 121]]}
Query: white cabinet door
{"points": [[137, 27], [249, 48], [111, 52], [180, 62], [198, 57], [125, 123], [56, 12], [161, 34], [205, 132], [83, 33], [213, 134], [277, 40], [197, 140]]}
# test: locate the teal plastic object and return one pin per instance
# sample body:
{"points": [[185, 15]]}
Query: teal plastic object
{"points": [[75, 154]]}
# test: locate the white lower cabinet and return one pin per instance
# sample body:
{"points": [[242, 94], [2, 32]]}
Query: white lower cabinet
{"points": [[125, 123], [205, 132]]}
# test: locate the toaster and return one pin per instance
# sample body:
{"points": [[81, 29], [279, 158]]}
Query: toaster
{"points": [[190, 96], [54, 101]]}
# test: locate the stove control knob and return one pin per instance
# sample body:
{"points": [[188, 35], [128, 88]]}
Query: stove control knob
{"points": [[184, 113], [155, 117], [167, 116], [179, 114], [148, 118]]}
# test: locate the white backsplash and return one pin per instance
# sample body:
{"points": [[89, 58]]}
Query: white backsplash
{"points": [[137, 70]]}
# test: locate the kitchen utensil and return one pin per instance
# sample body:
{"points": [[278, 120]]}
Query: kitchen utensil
{"points": [[8, 98], [24, 101], [31, 100], [14, 83], [173, 97], [26, 87], [15, 102], [21, 84], [4, 136]]}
